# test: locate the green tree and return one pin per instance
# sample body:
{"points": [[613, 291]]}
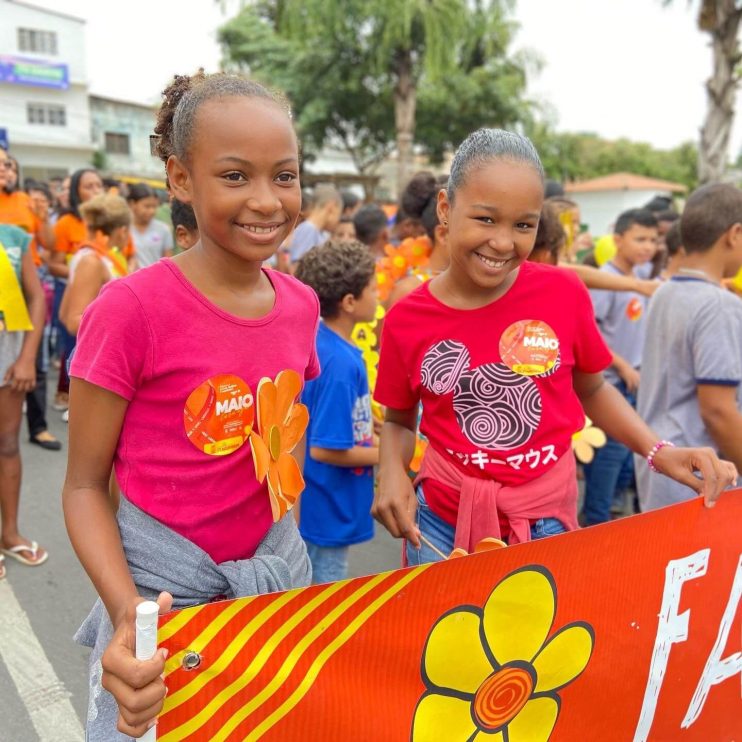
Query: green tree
{"points": [[334, 99], [369, 76], [570, 156]]}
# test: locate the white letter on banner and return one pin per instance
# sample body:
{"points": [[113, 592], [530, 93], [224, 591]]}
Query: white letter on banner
{"points": [[671, 629], [718, 670]]}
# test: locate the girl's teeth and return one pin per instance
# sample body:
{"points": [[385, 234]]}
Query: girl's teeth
{"points": [[260, 230], [491, 263]]}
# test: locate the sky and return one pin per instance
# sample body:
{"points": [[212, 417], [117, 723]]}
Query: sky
{"points": [[634, 68]]}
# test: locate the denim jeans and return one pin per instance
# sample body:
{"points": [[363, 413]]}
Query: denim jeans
{"points": [[610, 472], [329, 563], [442, 534]]}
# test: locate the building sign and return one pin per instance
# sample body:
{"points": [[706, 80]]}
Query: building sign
{"points": [[34, 72]]}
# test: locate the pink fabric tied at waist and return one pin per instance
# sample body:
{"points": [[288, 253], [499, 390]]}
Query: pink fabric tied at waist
{"points": [[552, 495]]}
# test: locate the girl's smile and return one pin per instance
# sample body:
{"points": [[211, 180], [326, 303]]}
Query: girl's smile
{"points": [[494, 265], [263, 234]]}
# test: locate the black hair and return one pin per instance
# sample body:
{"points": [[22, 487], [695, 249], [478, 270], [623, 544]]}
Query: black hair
{"points": [[334, 270], [111, 183], [140, 191], [350, 199], [709, 212], [553, 188], [550, 236], [184, 96], [182, 214], [627, 219], [485, 145], [75, 201], [673, 240], [38, 185], [420, 201], [669, 215], [659, 203], [369, 222]]}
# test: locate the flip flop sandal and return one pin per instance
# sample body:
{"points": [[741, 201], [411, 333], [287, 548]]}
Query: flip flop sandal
{"points": [[16, 552]]}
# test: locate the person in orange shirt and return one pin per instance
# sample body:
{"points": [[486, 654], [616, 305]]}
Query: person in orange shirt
{"points": [[32, 216], [69, 232], [17, 208]]}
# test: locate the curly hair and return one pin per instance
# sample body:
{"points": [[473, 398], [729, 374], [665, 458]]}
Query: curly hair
{"points": [[334, 270], [419, 201], [182, 99], [105, 213]]}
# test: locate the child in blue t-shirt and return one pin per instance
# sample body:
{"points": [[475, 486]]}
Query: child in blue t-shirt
{"points": [[336, 504]]}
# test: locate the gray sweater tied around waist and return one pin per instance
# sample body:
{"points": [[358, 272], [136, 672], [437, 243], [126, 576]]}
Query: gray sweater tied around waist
{"points": [[161, 560]]}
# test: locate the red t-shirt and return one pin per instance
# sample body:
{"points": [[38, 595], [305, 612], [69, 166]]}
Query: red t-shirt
{"points": [[510, 418]]}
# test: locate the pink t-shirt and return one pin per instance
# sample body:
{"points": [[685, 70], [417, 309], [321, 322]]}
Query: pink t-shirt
{"points": [[152, 338], [493, 417]]}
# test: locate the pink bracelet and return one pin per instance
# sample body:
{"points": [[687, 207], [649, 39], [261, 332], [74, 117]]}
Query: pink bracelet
{"points": [[653, 453]]}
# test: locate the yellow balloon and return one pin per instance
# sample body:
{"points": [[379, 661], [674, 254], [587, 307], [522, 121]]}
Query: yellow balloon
{"points": [[737, 281], [605, 249]]}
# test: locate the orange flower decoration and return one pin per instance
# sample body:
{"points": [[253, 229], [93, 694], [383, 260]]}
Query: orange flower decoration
{"points": [[282, 422], [421, 446], [416, 250]]}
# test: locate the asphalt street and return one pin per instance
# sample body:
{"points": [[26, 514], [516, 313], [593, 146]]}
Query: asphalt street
{"points": [[43, 673]]}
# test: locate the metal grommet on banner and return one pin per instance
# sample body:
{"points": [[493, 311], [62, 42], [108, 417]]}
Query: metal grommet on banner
{"points": [[191, 661]]}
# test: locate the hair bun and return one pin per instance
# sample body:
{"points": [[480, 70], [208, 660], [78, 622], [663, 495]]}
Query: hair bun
{"points": [[417, 195]]}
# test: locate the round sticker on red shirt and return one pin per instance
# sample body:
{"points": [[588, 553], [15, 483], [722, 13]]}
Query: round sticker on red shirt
{"points": [[529, 347], [219, 414]]}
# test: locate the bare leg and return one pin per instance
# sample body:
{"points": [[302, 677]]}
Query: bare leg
{"points": [[11, 406]]}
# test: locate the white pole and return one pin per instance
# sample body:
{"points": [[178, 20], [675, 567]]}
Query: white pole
{"points": [[146, 644]]}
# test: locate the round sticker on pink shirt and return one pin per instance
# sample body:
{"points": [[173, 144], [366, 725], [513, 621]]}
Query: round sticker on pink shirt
{"points": [[219, 415]]}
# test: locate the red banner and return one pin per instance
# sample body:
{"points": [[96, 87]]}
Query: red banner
{"points": [[627, 631]]}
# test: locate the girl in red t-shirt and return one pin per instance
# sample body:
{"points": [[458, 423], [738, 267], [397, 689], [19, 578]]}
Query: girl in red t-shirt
{"points": [[506, 359]]}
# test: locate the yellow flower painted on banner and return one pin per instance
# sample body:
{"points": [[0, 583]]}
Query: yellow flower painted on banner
{"points": [[585, 441], [492, 673]]}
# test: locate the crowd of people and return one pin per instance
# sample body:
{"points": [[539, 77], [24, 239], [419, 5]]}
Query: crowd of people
{"points": [[504, 326]]}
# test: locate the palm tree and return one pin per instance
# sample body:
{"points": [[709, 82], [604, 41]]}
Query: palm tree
{"points": [[412, 37], [720, 19]]}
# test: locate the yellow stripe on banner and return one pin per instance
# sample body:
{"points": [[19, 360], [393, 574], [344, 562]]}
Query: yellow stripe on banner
{"points": [[306, 641], [199, 643], [323, 657], [177, 622], [184, 694], [216, 668]]}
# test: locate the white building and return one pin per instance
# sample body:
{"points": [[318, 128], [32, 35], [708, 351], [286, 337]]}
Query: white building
{"points": [[44, 108], [120, 133], [601, 200]]}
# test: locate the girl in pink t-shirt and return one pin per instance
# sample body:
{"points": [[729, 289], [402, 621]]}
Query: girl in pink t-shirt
{"points": [[506, 359], [165, 386]]}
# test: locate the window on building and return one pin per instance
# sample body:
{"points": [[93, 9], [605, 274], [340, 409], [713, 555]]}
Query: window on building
{"points": [[117, 144], [46, 113], [34, 40]]}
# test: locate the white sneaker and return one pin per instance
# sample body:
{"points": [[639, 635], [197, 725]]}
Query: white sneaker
{"points": [[66, 416]]}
